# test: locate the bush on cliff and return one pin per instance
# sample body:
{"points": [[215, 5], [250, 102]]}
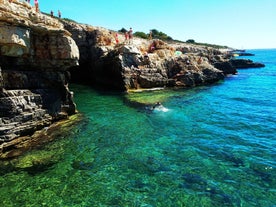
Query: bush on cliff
{"points": [[190, 41], [123, 30], [160, 35], [141, 35]]}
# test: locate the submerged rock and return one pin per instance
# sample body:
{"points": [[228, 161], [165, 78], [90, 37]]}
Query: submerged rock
{"points": [[80, 165], [20, 145], [198, 184]]}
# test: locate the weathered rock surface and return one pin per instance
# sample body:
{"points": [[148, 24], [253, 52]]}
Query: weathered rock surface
{"points": [[145, 63], [245, 63], [230, 66], [226, 67], [140, 63], [36, 53]]}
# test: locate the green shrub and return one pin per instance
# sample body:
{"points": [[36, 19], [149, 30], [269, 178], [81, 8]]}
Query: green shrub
{"points": [[141, 35]]}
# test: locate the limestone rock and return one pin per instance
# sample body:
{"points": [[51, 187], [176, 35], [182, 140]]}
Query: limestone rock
{"points": [[245, 63], [140, 63], [36, 54], [34, 38], [226, 67]]}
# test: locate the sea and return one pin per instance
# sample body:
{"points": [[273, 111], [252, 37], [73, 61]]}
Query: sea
{"points": [[208, 146]]}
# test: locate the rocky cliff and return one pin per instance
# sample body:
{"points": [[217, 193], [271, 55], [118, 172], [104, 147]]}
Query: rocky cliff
{"points": [[139, 63], [36, 53]]}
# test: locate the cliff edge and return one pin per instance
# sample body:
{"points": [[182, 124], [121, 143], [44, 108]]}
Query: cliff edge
{"points": [[109, 60], [139, 63], [36, 53]]}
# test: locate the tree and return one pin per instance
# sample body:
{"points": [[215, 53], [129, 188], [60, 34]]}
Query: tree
{"points": [[123, 30], [160, 35], [190, 41], [141, 34], [154, 32]]}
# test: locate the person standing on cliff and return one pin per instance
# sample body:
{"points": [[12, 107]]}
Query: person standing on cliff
{"points": [[126, 37], [130, 35], [36, 5], [150, 35], [59, 14], [116, 38]]}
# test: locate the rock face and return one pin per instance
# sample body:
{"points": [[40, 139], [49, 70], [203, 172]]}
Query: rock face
{"points": [[226, 67], [230, 66], [245, 63], [140, 63], [36, 53]]}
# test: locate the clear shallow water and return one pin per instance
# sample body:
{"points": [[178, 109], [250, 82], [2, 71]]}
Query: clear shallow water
{"points": [[215, 146]]}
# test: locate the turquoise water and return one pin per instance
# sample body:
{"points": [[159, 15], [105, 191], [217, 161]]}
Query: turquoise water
{"points": [[214, 146]]}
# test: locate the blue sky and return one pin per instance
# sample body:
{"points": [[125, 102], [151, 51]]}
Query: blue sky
{"points": [[244, 24]]}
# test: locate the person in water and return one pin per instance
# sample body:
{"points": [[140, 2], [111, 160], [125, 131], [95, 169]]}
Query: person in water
{"points": [[157, 104]]}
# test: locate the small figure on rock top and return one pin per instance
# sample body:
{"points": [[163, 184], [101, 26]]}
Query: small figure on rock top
{"points": [[36, 5], [130, 34]]}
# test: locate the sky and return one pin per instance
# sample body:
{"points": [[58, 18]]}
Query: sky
{"points": [[241, 24]]}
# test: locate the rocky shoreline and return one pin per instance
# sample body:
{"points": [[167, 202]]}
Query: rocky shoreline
{"points": [[41, 55], [36, 53]]}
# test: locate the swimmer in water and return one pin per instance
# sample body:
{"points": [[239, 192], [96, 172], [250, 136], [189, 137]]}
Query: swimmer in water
{"points": [[158, 104], [159, 107]]}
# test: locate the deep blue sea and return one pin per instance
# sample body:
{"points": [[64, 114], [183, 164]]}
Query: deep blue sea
{"points": [[213, 146]]}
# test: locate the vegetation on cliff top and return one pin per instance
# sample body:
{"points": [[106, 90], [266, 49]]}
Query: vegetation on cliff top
{"points": [[155, 34]]}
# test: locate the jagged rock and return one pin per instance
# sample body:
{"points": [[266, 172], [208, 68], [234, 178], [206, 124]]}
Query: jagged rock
{"points": [[226, 67], [140, 64], [245, 63], [231, 66], [29, 38], [36, 53], [129, 49]]}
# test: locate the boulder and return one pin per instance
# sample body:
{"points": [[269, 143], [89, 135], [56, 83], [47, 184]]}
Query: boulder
{"points": [[226, 67]]}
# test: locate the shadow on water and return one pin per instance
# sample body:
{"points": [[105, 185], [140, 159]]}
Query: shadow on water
{"points": [[81, 165]]}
